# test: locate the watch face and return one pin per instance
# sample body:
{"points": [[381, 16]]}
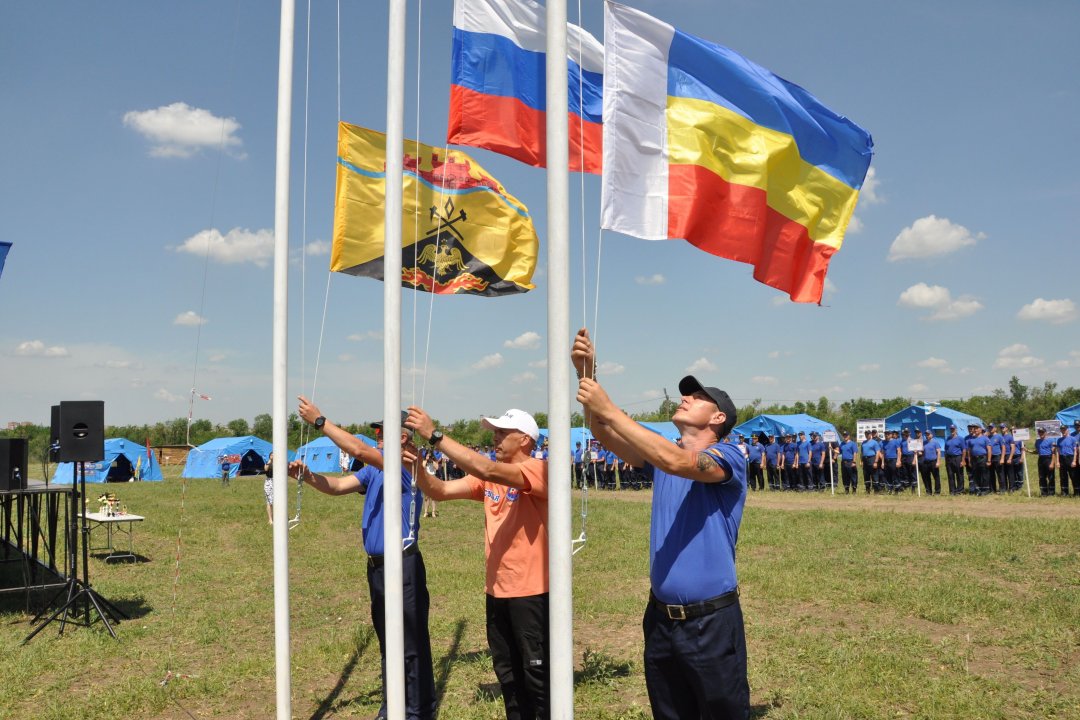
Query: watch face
{"points": [[320, 421]]}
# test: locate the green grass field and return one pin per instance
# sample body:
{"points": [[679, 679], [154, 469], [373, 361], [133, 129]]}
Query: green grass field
{"points": [[855, 607]]}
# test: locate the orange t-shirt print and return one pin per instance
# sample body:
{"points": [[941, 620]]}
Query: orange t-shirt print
{"points": [[515, 530]]}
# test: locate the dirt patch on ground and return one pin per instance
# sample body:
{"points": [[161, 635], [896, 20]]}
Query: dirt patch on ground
{"points": [[1003, 506]]}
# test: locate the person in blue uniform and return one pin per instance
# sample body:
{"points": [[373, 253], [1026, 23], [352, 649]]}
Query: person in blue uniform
{"points": [[817, 462], [1008, 447], [790, 468], [1066, 462], [1046, 450], [805, 470], [420, 699], [772, 462], [930, 464], [907, 461], [695, 642], [848, 472], [979, 457], [969, 468], [1017, 461], [891, 463], [578, 469], [871, 455], [755, 454], [954, 461], [997, 450]]}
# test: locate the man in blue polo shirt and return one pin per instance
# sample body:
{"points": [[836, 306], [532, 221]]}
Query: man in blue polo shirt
{"points": [[1046, 449], [1008, 448], [930, 464], [818, 452], [848, 472], [790, 469], [755, 453], [891, 462], [805, 470], [1017, 461], [997, 450], [954, 461], [695, 643], [979, 461], [1066, 461], [871, 454], [907, 461], [772, 462], [420, 700]]}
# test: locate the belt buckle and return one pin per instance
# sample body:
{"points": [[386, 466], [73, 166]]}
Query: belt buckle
{"points": [[676, 612]]}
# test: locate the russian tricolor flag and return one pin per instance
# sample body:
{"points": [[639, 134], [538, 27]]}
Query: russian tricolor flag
{"points": [[497, 92]]}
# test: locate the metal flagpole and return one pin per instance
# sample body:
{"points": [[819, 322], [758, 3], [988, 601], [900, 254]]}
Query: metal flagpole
{"points": [[560, 570], [282, 661], [392, 568]]}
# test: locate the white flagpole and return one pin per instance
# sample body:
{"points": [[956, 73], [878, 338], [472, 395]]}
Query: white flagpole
{"points": [[560, 570], [392, 567], [282, 663]]}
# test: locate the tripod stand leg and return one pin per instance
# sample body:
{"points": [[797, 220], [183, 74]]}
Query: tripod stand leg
{"points": [[93, 597]]}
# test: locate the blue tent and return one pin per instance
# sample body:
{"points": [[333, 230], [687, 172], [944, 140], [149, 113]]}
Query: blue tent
{"points": [[246, 455], [322, 455], [1069, 415], [781, 425], [664, 429], [938, 419], [122, 457]]}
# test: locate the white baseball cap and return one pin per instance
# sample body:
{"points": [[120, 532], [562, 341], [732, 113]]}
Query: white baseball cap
{"points": [[514, 420]]}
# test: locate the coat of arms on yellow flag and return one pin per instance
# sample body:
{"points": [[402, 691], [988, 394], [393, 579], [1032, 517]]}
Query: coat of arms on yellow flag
{"points": [[461, 231]]}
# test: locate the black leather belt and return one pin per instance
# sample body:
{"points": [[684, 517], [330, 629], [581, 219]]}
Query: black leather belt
{"points": [[693, 610], [377, 560]]}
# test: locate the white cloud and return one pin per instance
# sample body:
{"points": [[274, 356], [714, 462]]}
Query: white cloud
{"points": [[217, 357], [525, 341], [940, 300], [843, 374], [934, 363], [189, 317], [488, 361], [701, 365], [163, 394], [652, 395], [609, 368], [829, 287], [1017, 357], [869, 192], [538, 363], [523, 377], [656, 279], [779, 300], [369, 335], [346, 357], [855, 225], [773, 354], [929, 237], [317, 247], [764, 380], [118, 364], [1051, 311], [179, 130], [870, 367], [918, 388], [37, 348], [239, 245]]}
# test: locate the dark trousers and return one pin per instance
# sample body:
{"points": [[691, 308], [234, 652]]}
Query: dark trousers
{"points": [[787, 476], [696, 668], [995, 478], [806, 476], [929, 471], [907, 472], [1067, 471], [774, 477], [517, 633], [868, 472], [1017, 471], [851, 475], [419, 677], [955, 471], [756, 480], [892, 475], [980, 471], [1046, 475]]}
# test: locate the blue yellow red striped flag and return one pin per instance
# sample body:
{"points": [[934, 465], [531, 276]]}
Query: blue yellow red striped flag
{"points": [[704, 145]]}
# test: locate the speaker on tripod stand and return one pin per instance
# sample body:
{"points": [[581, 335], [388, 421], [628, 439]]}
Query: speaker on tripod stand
{"points": [[79, 430], [14, 454]]}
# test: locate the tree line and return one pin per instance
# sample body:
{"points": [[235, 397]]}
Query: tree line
{"points": [[1019, 404]]}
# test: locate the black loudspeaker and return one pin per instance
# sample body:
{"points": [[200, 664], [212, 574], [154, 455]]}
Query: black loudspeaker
{"points": [[82, 431], [14, 457], [54, 434]]}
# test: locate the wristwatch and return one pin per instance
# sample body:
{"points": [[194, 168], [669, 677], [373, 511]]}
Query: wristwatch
{"points": [[435, 438], [319, 422]]}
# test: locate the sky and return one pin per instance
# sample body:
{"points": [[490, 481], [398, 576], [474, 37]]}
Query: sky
{"points": [[137, 188]]}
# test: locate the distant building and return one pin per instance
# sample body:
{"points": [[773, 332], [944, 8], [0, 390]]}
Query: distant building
{"points": [[17, 425]]}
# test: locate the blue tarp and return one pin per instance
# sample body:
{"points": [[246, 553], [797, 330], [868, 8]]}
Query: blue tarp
{"points": [[246, 455], [121, 458], [916, 417], [322, 455], [665, 429], [1069, 415], [781, 425], [4, 247]]}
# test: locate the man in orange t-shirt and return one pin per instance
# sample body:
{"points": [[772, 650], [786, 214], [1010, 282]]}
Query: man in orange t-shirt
{"points": [[513, 488]]}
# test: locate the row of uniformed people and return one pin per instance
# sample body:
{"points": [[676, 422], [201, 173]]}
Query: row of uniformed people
{"points": [[1062, 454]]}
